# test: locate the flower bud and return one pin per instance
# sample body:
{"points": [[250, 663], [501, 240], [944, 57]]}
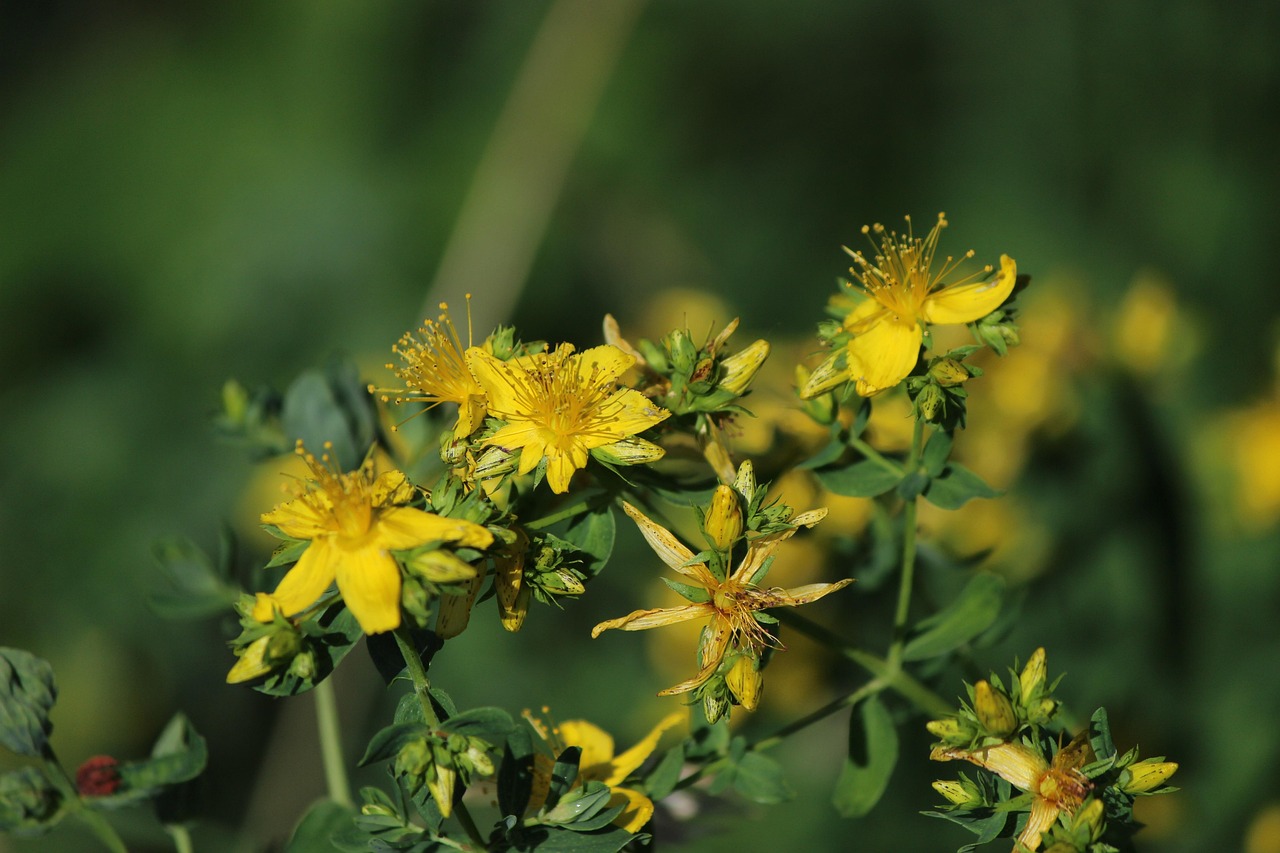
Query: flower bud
{"points": [[1033, 674], [251, 662], [948, 372], [745, 682], [303, 666], [629, 451], [440, 566], [235, 402], [744, 483], [740, 368], [958, 793], [684, 355], [994, 710], [833, 370], [653, 355], [930, 402], [1146, 775], [1090, 816], [440, 782], [714, 705], [98, 777], [951, 730], [722, 524]]}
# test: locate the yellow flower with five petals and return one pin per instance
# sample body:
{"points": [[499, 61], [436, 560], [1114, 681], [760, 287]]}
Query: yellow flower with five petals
{"points": [[354, 521], [561, 405], [903, 295], [729, 604]]}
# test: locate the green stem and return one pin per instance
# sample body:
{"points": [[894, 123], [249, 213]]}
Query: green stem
{"points": [[585, 505], [896, 678], [874, 455], [907, 581], [106, 834], [422, 687], [418, 674], [335, 770], [873, 686], [96, 822], [181, 838]]}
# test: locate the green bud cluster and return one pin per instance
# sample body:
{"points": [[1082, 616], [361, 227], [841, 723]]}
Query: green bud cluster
{"points": [[554, 570], [27, 800], [938, 394], [997, 330], [702, 379], [438, 762], [994, 713]]}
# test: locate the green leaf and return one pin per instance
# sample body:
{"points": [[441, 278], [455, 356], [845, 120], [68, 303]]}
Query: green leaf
{"points": [[329, 640], [1100, 735], [192, 587], [936, 453], [955, 486], [912, 485], [973, 611], [861, 784], [389, 740], [864, 479], [30, 804], [554, 839], [830, 453], [759, 778], [331, 405], [315, 832], [288, 552], [663, 778], [695, 594], [515, 774], [27, 693], [489, 724], [563, 774], [593, 534]]}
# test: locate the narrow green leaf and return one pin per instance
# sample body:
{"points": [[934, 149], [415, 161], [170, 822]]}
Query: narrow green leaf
{"points": [[663, 778], [973, 611], [955, 486], [388, 741], [864, 479], [871, 733], [936, 453]]}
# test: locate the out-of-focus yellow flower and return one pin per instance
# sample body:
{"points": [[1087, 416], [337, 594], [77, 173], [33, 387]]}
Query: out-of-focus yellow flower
{"points": [[1251, 443], [1150, 333], [903, 295], [353, 522], [561, 405], [1058, 787], [1263, 834], [598, 763], [730, 604], [435, 371]]}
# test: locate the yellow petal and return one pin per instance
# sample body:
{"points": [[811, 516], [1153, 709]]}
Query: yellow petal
{"points": [[455, 610], [625, 413], [1043, 815], [307, 580], [1016, 763], [882, 356], [668, 548], [640, 620], [638, 811], [712, 656], [603, 364], [299, 518], [613, 337], [407, 527], [470, 415], [369, 580], [626, 763], [561, 464], [811, 592], [390, 489], [499, 379], [867, 313], [965, 303], [596, 745]]}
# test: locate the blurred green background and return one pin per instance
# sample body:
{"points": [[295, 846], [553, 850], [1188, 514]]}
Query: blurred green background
{"points": [[195, 191]]}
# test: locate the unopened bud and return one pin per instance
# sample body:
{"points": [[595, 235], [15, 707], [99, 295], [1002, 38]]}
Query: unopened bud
{"points": [[1146, 775], [441, 787], [1033, 674], [1042, 712], [251, 663], [948, 372], [740, 368], [951, 730], [744, 483], [994, 710], [930, 402], [629, 451], [440, 566], [235, 402], [833, 370], [303, 666], [1090, 817], [684, 355], [722, 524], [745, 682], [958, 793]]}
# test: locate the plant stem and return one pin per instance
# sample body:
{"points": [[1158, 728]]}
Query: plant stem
{"points": [[422, 687], [418, 674], [874, 455], [105, 832], [896, 678], [181, 837], [873, 686], [907, 580], [335, 770], [585, 505], [97, 823]]}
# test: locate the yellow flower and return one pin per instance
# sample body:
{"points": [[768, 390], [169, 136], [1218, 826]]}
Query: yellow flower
{"points": [[903, 294], [730, 604], [435, 371], [353, 522], [598, 763], [561, 405], [1058, 787]]}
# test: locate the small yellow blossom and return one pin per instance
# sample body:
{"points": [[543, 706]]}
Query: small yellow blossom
{"points": [[903, 295], [731, 603], [435, 371], [251, 662], [598, 763], [561, 405], [353, 522], [1057, 788]]}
